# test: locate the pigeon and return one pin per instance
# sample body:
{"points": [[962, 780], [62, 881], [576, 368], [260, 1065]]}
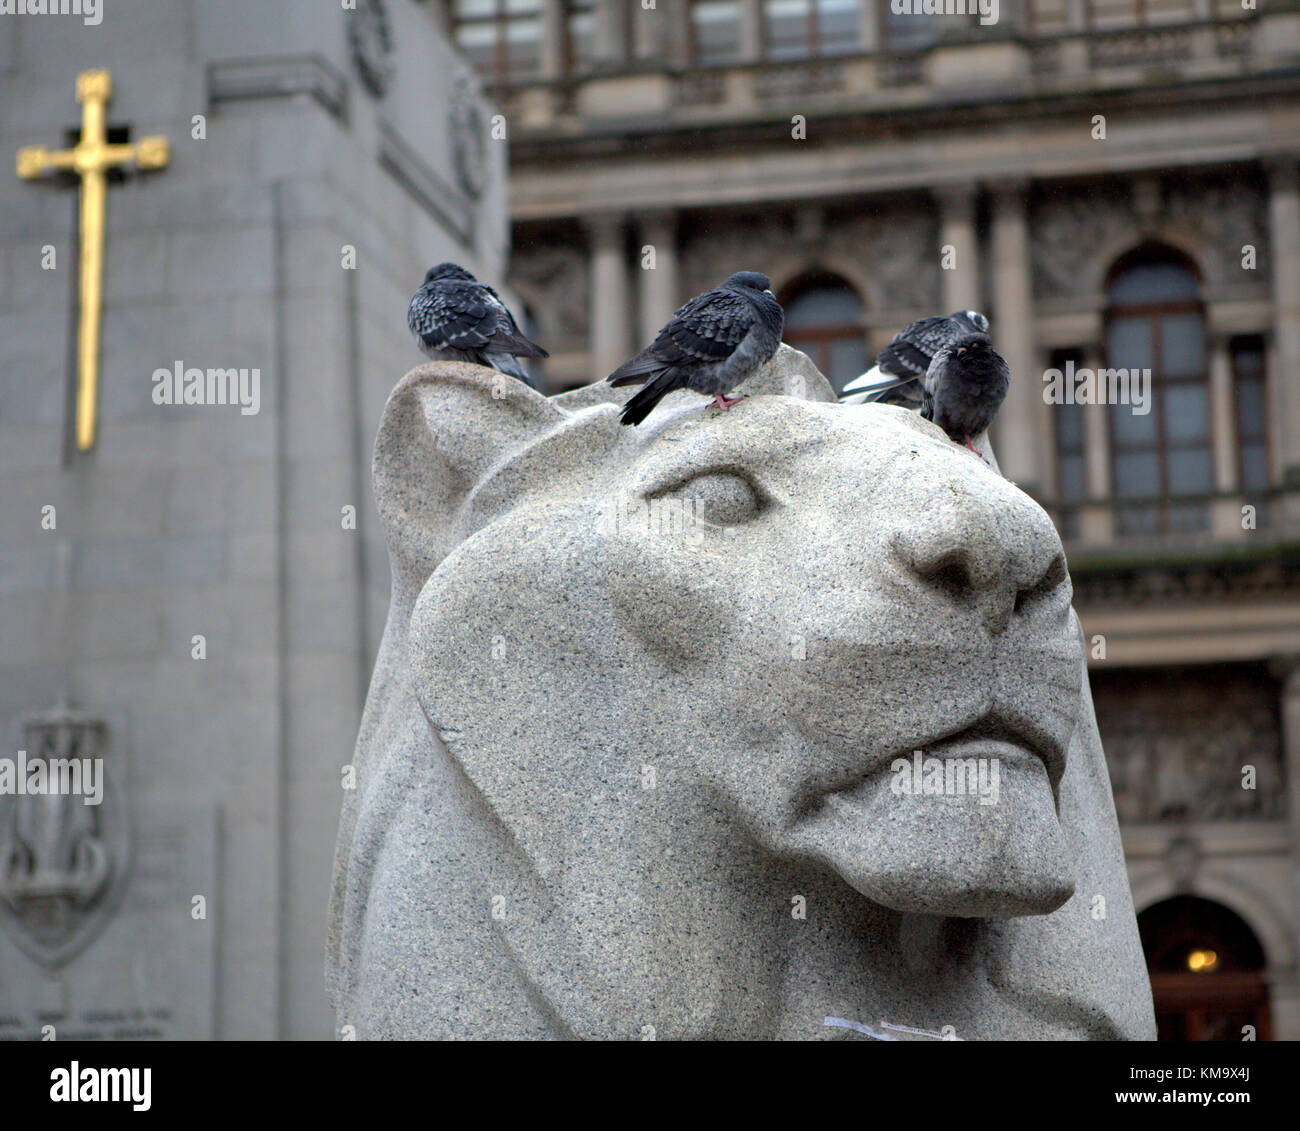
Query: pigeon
{"points": [[896, 376], [454, 317], [964, 387], [710, 346]]}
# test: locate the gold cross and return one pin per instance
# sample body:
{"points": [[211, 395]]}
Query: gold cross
{"points": [[90, 159]]}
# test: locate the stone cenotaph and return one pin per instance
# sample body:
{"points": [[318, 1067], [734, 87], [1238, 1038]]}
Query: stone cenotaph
{"points": [[771, 723]]}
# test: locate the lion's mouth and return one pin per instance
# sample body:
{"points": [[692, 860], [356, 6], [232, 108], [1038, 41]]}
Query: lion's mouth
{"points": [[989, 741], [963, 823]]}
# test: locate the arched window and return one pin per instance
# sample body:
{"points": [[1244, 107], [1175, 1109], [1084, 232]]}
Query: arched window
{"points": [[1160, 450], [1207, 971], [823, 317]]}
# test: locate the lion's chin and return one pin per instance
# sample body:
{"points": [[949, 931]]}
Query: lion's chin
{"points": [[999, 853]]}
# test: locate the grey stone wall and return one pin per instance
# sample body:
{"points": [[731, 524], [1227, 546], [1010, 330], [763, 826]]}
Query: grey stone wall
{"points": [[194, 519]]}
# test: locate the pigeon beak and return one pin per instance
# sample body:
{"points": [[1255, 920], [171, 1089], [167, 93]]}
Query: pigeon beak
{"points": [[768, 292]]}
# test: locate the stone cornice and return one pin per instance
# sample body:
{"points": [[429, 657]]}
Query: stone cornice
{"points": [[1100, 584], [278, 76], [876, 112], [856, 157]]}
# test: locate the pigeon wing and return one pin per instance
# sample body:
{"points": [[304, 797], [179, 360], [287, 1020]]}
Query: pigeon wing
{"points": [[454, 317], [902, 359], [930, 335], [468, 317], [933, 384], [909, 354], [705, 331], [507, 337]]}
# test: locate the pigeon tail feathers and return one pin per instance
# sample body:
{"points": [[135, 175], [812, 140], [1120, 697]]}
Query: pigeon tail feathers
{"points": [[512, 341], [869, 393], [641, 405], [638, 369], [867, 380], [506, 363], [902, 357]]}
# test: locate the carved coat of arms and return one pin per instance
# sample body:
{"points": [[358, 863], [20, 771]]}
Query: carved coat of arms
{"points": [[64, 838]]}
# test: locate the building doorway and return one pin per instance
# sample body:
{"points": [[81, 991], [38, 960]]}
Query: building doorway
{"points": [[1207, 972]]}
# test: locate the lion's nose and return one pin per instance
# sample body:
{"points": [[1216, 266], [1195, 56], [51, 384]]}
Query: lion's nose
{"points": [[1001, 558]]}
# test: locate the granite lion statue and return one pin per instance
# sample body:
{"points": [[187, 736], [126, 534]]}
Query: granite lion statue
{"points": [[762, 724]]}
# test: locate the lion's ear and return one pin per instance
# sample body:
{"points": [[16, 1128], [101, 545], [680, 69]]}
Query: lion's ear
{"points": [[445, 427], [790, 373]]}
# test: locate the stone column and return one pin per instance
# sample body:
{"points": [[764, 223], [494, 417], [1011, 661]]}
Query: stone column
{"points": [[647, 25], [658, 286], [1273, 377], [1021, 424], [553, 40], [1097, 520], [1284, 232], [751, 31], [611, 34], [1225, 513], [869, 17], [610, 295], [1289, 669], [677, 40], [961, 285]]}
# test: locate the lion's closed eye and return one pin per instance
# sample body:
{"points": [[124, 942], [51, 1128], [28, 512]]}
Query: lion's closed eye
{"points": [[722, 498]]}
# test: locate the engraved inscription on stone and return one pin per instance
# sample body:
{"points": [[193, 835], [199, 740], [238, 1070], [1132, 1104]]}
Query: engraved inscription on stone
{"points": [[150, 975]]}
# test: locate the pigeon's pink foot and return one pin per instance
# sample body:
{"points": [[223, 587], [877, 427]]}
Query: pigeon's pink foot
{"points": [[976, 450], [725, 403]]}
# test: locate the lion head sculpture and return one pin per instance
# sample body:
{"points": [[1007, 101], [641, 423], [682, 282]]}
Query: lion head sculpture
{"points": [[721, 727]]}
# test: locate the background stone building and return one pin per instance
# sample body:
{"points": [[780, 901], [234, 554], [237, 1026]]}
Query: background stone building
{"points": [[1115, 182]]}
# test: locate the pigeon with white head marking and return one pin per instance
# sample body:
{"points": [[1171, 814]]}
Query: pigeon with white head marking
{"points": [[710, 345], [454, 317], [896, 376]]}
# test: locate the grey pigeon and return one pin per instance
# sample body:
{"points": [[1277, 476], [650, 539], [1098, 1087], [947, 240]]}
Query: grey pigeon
{"points": [[710, 346], [454, 317], [964, 387], [896, 376]]}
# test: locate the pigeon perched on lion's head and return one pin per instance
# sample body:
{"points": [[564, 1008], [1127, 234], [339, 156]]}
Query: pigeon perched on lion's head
{"points": [[712, 344], [454, 317], [896, 376]]}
